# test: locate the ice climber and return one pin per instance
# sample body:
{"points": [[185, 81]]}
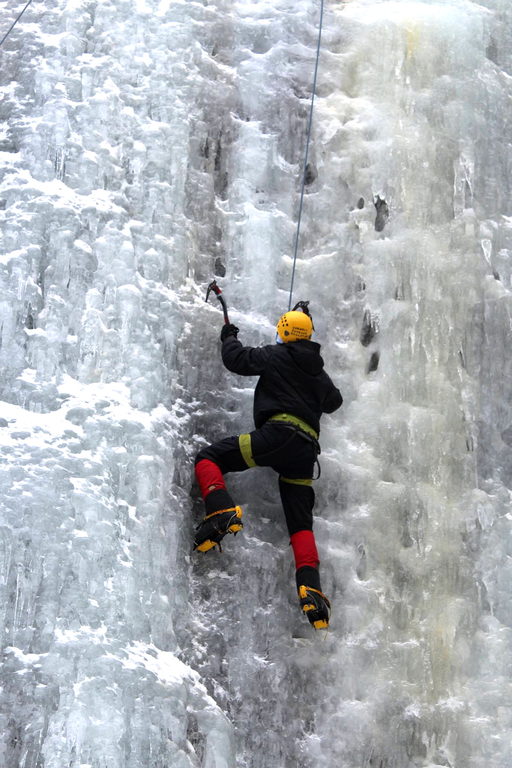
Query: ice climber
{"points": [[292, 392]]}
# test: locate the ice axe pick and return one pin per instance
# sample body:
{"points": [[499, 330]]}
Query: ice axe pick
{"points": [[217, 291]]}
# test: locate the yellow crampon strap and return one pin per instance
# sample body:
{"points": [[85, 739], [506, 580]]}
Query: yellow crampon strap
{"points": [[244, 443], [237, 510], [235, 525], [303, 594]]}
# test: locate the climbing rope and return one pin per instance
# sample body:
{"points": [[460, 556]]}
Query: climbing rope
{"points": [[4, 38], [308, 136]]}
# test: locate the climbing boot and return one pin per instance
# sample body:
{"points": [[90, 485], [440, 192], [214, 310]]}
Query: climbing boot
{"points": [[215, 526], [315, 606]]}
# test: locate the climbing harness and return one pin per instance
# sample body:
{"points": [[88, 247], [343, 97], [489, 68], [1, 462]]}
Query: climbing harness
{"points": [[217, 291], [289, 418], [308, 137], [299, 428], [4, 38]]}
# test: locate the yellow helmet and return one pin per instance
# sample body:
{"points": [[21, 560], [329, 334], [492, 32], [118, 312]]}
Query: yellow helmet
{"points": [[293, 326]]}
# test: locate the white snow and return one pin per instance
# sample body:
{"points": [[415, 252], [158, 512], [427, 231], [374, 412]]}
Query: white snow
{"points": [[146, 146]]}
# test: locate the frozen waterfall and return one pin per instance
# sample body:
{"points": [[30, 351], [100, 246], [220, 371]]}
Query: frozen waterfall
{"points": [[145, 147]]}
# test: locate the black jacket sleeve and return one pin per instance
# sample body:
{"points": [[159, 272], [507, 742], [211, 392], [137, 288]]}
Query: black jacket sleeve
{"points": [[246, 361], [333, 399]]}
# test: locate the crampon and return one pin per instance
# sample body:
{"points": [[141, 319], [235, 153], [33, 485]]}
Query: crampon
{"points": [[215, 526], [315, 606]]}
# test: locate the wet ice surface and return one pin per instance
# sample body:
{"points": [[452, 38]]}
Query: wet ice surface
{"points": [[146, 146]]}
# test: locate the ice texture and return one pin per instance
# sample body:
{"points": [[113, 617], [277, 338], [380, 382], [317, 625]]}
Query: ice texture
{"points": [[145, 147]]}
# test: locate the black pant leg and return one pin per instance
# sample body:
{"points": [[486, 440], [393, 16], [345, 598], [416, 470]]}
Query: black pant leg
{"points": [[226, 454], [298, 501]]}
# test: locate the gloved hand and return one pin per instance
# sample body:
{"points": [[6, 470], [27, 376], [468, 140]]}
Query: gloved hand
{"points": [[228, 330]]}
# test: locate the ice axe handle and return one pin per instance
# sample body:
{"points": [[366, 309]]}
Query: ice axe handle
{"points": [[217, 291]]}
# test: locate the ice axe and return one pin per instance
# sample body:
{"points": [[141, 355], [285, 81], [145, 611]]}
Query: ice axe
{"points": [[302, 306], [217, 291]]}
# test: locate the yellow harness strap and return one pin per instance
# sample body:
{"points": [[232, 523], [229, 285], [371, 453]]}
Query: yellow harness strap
{"points": [[291, 419], [244, 443], [297, 480]]}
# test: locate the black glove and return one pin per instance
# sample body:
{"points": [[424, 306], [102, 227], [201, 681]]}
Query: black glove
{"points": [[228, 330]]}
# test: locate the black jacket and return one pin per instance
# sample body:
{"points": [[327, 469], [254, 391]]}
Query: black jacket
{"points": [[292, 379]]}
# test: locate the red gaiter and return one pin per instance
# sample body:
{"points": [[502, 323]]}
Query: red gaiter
{"points": [[304, 549], [209, 477]]}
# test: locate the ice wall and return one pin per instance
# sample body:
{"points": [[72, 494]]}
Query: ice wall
{"points": [[145, 146]]}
